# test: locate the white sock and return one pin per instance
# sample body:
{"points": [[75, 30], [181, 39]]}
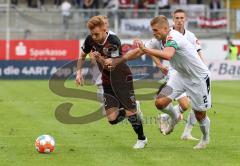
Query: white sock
{"points": [[191, 121], [205, 127], [172, 111], [138, 105], [100, 95], [100, 98]]}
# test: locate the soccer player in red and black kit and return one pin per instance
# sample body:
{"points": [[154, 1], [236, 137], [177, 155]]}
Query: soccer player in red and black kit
{"points": [[117, 83]]}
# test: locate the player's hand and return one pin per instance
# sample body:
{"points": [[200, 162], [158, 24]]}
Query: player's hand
{"points": [[138, 43], [110, 63], [79, 79], [164, 69], [92, 58], [96, 54], [98, 57]]}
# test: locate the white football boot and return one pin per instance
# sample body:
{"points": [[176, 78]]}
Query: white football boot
{"points": [[186, 135], [172, 123], [163, 122], [202, 144], [140, 144]]}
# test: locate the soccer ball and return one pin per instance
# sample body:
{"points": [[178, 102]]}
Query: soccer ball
{"points": [[45, 144]]}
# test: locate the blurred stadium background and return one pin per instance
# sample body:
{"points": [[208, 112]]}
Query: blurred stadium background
{"points": [[35, 30], [35, 41]]}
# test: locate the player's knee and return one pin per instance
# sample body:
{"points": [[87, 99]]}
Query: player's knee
{"points": [[184, 106], [160, 104], [184, 103], [200, 115]]}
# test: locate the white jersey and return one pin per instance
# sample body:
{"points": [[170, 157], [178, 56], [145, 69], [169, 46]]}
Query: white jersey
{"points": [[157, 44], [190, 37], [186, 59]]}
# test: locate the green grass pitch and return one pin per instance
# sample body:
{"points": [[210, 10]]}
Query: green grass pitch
{"points": [[27, 111]]}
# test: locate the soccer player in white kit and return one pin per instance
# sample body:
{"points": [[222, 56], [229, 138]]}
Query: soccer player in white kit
{"points": [[192, 77], [179, 19]]}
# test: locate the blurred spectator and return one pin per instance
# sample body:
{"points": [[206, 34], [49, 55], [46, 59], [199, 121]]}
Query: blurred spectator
{"points": [[78, 3], [163, 4], [66, 13], [57, 2], [111, 4], [40, 4], [215, 5], [125, 4], [27, 33], [30, 3], [199, 2], [140, 4], [233, 51], [90, 4], [14, 2], [36, 4]]}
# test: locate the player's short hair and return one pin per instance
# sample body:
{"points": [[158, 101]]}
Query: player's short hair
{"points": [[103, 16], [95, 21], [179, 11], [161, 20]]}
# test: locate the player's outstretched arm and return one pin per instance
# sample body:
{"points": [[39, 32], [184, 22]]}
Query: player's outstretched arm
{"points": [[130, 55], [79, 77], [167, 53], [159, 64]]}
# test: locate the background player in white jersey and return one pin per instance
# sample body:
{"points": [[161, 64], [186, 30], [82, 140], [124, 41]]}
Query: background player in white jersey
{"points": [[179, 19]]}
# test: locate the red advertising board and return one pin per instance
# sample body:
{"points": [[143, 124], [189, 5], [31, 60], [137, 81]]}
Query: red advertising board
{"points": [[2, 49], [42, 50]]}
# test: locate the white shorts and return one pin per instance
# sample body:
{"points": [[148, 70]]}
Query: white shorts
{"points": [[96, 74], [181, 96], [197, 90]]}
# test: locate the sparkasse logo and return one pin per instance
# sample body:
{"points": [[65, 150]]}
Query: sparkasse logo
{"points": [[21, 49]]}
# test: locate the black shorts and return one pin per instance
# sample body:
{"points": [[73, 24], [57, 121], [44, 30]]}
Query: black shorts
{"points": [[120, 98]]}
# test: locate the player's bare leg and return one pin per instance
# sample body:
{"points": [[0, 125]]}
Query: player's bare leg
{"points": [[204, 123], [115, 115]]}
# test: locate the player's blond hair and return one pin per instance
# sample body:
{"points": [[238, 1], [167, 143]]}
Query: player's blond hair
{"points": [[161, 20], [95, 21], [103, 17]]}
